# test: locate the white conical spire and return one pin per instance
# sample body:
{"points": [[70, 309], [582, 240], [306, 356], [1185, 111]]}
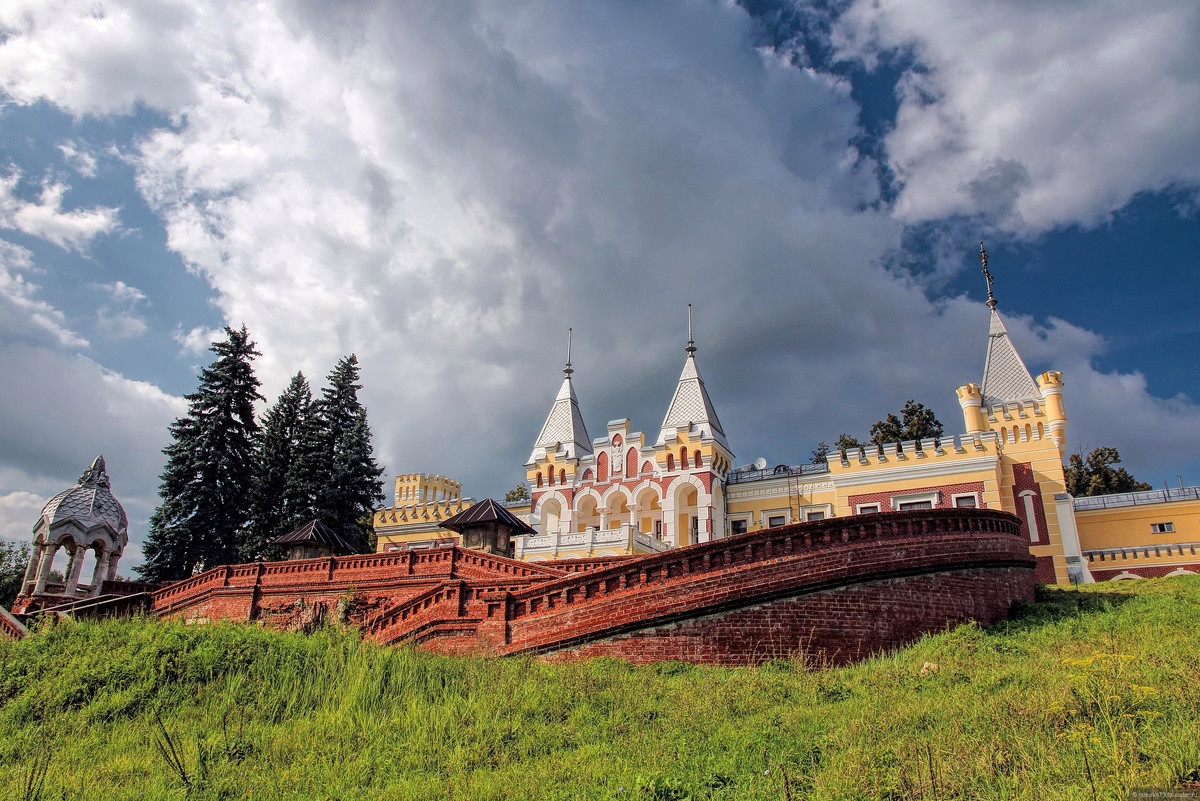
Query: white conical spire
{"points": [[1006, 379], [691, 407], [564, 426]]}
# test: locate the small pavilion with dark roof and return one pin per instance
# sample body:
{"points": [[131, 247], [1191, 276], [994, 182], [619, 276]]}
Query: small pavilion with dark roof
{"points": [[313, 540], [489, 527]]}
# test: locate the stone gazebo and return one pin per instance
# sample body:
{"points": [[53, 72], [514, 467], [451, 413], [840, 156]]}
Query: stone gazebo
{"points": [[82, 518], [314, 540], [489, 527]]}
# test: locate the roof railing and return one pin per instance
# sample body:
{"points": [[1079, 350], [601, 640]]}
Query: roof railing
{"points": [[1143, 498]]}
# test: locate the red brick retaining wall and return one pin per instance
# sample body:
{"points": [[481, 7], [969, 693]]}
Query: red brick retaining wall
{"points": [[832, 627]]}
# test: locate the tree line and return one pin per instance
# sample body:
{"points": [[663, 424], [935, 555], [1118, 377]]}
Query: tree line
{"points": [[233, 484]]}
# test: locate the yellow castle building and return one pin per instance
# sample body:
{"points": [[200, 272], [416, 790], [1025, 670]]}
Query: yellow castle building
{"points": [[625, 493]]}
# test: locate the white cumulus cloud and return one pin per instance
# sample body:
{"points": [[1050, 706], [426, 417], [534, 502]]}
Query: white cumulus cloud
{"points": [[78, 158], [46, 219], [18, 512], [24, 312], [118, 316], [1036, 115]]}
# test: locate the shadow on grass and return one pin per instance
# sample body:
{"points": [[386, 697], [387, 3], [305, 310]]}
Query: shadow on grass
{"points": [[1056, 604]]}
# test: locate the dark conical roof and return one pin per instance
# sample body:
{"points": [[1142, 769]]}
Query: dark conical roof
{"points": [[486, 511], [314, 531]]}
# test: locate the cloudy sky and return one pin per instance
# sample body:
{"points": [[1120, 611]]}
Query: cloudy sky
{"points": [[443, 188]]}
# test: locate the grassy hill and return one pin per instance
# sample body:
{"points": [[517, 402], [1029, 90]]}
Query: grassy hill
{"points": [[1083, 695]]}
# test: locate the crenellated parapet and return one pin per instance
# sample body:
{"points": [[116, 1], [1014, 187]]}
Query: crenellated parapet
{"points": [[940, 449], [422, 488], [429, 512]]}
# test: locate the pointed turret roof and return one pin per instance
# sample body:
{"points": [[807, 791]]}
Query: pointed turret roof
{"points": [[1006, 379], [316, 532], [691, 407], [564, 425]]}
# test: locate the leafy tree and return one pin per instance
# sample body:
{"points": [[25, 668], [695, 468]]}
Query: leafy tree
{"points": [[889, 429], [1096, 475], [845, 442], [284, 489], [208, 480], [915, 421], [918, 422], [517, 493], [14, 558], [351, 485]]}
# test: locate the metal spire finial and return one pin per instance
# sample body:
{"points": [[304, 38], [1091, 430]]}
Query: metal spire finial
{"points": [[691, 346], [991, 301], [567, 370]]}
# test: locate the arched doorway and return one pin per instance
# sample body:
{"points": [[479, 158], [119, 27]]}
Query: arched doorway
{"points": [[616, 510], [587, 513], [650, 512], [549, 517], [687, 530]]}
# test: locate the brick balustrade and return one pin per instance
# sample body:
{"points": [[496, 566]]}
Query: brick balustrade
{"points": [[761, 546], [972, 564], [842, 588], [236, 590]]}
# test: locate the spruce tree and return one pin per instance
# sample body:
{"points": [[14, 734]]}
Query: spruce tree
{"points": [[350, 487], [207, 482], [283, 498]]}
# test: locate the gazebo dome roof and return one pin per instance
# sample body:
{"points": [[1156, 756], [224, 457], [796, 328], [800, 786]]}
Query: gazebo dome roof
{"points": [[90, 503]]}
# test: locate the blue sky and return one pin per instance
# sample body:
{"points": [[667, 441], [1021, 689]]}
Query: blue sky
{"points": [[445, 191]]}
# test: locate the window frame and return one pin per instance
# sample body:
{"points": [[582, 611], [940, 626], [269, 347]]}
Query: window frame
{"points": [[974, 496], [933, 497]]}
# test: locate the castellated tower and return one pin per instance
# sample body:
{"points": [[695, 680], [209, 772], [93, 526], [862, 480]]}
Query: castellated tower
{"points": [[1029, 421], [622, 494]]}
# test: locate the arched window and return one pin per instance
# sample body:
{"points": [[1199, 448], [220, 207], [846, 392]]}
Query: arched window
{"points": [[647, 467], [602, 467], [562, 476], [670, 462], [617, 440], [683, 465], [550, 476], [587, 474], [1041, 431], [631, 463], [696, 460], [539, 479]]}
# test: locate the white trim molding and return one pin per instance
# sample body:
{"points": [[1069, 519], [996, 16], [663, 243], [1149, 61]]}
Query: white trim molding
{"points": [[916, 497], [972, 495]]}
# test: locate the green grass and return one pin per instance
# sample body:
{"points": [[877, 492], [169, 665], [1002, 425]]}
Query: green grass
{"points": [[1083, 695]]}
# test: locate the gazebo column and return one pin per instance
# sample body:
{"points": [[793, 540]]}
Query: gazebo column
{"points": [[102, 559], [44, 569], [74, 568], [31, 569], [111, 573]]}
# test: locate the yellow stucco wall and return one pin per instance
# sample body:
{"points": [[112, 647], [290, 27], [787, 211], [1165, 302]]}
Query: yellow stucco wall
{"points": [[1129, 526]]}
